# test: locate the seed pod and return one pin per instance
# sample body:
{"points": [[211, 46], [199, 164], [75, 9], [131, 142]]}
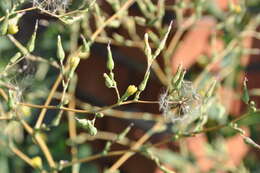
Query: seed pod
{"points": [[31, 43], [60, 50], [110, 61]]}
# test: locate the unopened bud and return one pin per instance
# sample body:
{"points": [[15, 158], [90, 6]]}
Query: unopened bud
{"points": [[74, 62], [31, 43], [12, 29], [88, 125], [60, 50], [129, 91], [108, 81], [110, 61], [36, 162]]}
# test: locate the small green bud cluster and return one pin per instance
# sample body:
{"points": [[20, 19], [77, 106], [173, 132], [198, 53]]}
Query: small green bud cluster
{"points": [[88, 125], [109, 78]]}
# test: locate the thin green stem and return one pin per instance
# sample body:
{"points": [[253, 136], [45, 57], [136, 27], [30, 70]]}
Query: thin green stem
{"points": [[87, 111]]}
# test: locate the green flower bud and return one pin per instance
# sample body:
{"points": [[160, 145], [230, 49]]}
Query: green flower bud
{"points": [[147, 49], [11, 102], [85, 48], [57, 119], [110, 61], [245, 95], [88, 125], [73, 64], [86, 45], [143, 84], [99, 115], [108, 81], [176, 137], [31, 43], [60, 50], [252, 106]]}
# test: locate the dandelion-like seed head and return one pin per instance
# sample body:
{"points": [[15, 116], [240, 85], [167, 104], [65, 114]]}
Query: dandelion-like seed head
{"points": [[180, 105]]}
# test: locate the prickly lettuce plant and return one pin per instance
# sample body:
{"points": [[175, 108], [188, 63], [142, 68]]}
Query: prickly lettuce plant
{"points": [[46, 127]]}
